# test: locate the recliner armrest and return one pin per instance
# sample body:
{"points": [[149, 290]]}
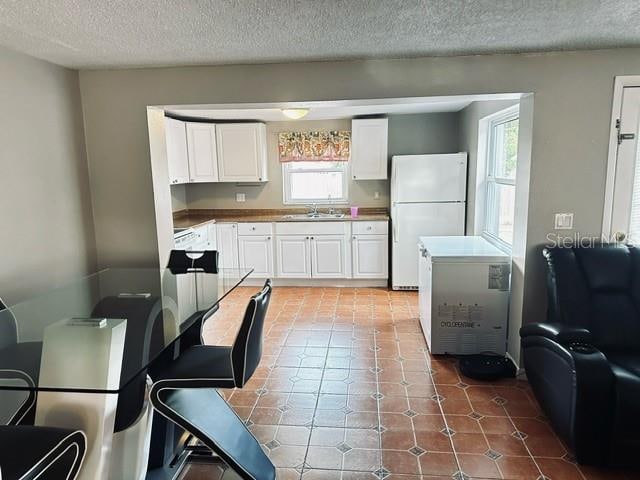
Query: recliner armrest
{"points": [[558, 332]]}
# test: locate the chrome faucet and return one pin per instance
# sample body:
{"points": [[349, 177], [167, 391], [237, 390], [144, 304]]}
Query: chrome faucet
{"points": [[313, 210]]}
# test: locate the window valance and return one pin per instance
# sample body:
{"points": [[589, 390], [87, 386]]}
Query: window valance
{"points": [[331, 146]]}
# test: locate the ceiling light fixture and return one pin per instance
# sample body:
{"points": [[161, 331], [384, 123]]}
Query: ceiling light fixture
{"points": [[295, 113]]}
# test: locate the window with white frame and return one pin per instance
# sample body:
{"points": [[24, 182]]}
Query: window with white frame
{"points": [[307, 182], [501, 162]]}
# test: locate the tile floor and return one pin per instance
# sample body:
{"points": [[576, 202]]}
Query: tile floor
{"points": [[347, 390]]}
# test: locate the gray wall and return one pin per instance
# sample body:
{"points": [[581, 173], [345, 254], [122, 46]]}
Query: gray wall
{"points": [[47, 232], [571, 112], [468, 131], [408, 134]]}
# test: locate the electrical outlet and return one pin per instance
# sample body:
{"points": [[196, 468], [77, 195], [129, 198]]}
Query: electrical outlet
{"points": [[241, 197], [564, 221], [376, 195]]}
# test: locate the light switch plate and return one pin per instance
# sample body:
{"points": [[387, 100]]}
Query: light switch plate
{"points": [[564, 221], [240, 197]]}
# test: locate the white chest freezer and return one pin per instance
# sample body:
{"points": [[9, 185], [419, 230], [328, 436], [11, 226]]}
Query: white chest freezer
{"points": [[464, 295]]}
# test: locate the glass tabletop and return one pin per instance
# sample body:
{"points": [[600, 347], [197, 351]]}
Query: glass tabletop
{"points": [[101, 332]]}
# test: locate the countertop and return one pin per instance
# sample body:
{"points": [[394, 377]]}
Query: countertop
{"points": [[194, 218]]}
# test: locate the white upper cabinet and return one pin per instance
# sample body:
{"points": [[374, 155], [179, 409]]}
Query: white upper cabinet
{"points": [[242, 152], [176, 136], [369, 148], [201, 147]]}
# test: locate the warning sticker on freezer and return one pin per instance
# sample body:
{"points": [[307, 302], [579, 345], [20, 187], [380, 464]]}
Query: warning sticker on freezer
{"points": [[459, 316], [499, 277]]}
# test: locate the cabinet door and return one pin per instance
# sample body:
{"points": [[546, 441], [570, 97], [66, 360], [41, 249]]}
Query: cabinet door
{"points": [[370, 256], [177, 157], [242, 152], [203, 157], [328, 256], [227, 244], [292, 253], [186, 295], [256, 252], [369, 149], [212, 239]]}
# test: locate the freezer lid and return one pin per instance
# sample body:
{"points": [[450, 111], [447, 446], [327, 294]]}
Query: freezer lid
{"points": [[429, 178], [470, 249]]}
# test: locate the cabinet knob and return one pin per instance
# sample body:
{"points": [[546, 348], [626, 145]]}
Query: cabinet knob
{"points": [[354, 237], [311, 238], [268, 238], [307, 238], [260, 178], [354, 177]]}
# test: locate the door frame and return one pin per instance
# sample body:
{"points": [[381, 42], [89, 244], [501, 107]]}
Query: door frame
{"points": [[619, 84]]}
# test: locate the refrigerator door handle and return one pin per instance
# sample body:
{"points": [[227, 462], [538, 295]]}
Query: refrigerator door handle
{"points": [[395, 232]]}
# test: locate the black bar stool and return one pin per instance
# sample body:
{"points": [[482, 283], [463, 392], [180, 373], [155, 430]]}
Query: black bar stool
{"points": [[186, 394], [194, 261], [29, 453], [24, 361]]}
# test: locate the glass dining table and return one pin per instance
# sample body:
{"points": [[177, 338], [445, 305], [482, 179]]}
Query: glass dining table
{"points": [[70, 356]]}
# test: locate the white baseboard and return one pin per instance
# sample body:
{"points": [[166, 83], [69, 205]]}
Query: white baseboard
{"points": [[319, 282]]}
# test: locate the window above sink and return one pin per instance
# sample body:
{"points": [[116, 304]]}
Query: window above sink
{"points": [[315, 182]]}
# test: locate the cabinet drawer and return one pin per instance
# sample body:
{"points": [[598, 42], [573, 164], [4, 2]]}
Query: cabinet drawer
{"points": [[312, 228], [257, 228], [370, 228]]}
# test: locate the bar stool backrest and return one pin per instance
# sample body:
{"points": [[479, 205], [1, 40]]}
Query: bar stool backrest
{"points": [[183, 261], [247, 348], [8, 327]]}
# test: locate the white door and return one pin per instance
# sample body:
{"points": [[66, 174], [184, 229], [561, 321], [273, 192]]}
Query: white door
{"points": [[242, 154], [227, 244], [625, 210], [203, 157], [369, 149], [370, 256], [212, 236], [176, 137], [292, 253], [329, 256], [256, 252], [411, 221], [429, 178]]}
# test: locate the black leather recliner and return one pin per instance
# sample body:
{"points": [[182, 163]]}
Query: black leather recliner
{"points": [[584, 362]]}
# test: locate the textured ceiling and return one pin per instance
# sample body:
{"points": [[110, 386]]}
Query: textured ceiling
{"points": [[126, 33]]}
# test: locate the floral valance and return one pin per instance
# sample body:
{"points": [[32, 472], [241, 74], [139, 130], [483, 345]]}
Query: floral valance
{"points": [[332, 146]]}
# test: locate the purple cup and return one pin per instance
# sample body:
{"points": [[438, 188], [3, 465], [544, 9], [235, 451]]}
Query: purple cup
{"points": [[354, 212]]}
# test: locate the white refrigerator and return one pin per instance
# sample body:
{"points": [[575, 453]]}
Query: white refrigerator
{"points": [[428, 198]]}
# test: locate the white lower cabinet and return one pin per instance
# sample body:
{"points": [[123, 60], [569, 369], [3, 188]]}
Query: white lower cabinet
{"points": [[292, 256], [227, 242], [306, 250], [256, 251], [329, 256], [370, 254]]}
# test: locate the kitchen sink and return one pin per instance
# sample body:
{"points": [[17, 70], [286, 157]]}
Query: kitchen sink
{"points": [[314, 216]]}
